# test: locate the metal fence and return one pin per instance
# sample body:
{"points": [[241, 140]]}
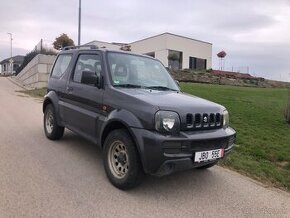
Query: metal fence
{"points": [[44, 44]]}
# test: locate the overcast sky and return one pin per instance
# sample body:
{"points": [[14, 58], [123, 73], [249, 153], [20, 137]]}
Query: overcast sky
{"points": [[254, 33]]}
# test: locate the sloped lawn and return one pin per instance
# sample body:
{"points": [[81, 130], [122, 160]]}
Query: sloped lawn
{"points": [[263, 136]]}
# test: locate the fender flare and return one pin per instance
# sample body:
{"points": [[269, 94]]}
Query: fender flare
{"points": [[124, 117], [127, 120], [52, 98]]}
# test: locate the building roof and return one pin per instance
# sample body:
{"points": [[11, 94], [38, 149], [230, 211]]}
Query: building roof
{"points": [[166, 33], [16, 59], [171, 34]]}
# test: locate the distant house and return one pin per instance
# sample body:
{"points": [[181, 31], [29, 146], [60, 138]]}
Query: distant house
{"points": [[6, 64], [174, 51]]}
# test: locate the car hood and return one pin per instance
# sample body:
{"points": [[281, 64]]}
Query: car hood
{"points": [[174, 101], [144, 103]]}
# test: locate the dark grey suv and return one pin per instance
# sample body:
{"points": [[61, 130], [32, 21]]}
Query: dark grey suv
{"points": [[130, 107]]}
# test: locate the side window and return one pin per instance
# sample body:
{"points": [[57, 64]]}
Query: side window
{"points": [[87, 62], [61, 65]]}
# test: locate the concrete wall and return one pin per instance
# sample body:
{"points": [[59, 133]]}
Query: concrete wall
{"points": [[160, 44], [35, 74]]}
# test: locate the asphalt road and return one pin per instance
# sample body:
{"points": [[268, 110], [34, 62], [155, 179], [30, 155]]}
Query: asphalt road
{"points": [[42, 178]]}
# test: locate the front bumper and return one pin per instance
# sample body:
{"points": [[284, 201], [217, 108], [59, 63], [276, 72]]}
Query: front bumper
{"points": [[165, 154]]}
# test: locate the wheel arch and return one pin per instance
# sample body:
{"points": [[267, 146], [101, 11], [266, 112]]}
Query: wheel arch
{"points": [[118, 119], [52, 98], [119, 124], [46, 102], [113, 125]]}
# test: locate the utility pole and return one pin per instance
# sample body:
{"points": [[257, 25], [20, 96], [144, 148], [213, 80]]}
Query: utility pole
{"points": [[11, 61], [79, 30]]}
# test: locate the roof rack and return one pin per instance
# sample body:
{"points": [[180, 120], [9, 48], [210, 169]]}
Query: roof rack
{"points": [[80, 46]]}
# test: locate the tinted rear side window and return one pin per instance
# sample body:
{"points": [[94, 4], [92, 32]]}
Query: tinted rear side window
{"points": [[61, 65]]}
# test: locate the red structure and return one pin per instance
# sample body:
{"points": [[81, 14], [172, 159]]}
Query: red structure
{"points": [[221, 55]]}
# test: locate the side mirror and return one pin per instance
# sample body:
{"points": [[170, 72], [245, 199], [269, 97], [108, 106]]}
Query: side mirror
{"points": [[177, 83], [90, 78]]}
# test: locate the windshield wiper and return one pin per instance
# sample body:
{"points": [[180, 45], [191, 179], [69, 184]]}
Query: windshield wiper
{"points": [[163, 88], [128, 85]]}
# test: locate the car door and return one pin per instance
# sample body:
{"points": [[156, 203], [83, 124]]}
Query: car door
{"points": [[83, 108]]}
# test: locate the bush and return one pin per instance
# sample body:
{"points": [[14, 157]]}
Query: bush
{"points": [[62, 41], [28, 57], [209, 70]]}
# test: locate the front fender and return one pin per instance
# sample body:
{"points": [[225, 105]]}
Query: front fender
{"points": [[126, 117], [122, 119], [52, 98], [118, 118]]}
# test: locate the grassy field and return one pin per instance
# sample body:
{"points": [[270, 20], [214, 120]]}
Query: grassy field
{"points": [[263, 136]]}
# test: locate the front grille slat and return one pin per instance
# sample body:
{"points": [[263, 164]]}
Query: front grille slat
{"points": [[212, 120], [189, 121], [197, 121], [203, 121], [218, 119]]}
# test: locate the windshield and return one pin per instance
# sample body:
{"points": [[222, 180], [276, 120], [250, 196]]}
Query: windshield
{"points": [[133, 71]]}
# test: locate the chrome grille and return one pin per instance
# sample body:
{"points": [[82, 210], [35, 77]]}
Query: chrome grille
{"points": [[203, 121]]}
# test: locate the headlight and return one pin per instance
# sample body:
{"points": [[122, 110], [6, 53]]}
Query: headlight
{"points": [[167, 122], [226, 119]]}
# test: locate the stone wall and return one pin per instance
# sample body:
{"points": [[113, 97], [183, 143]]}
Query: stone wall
{"points": [[35, 74], [207, 77]]}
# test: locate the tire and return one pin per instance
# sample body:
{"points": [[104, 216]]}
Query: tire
{"points": [[207, 166], [121, 160], [51, 129]]}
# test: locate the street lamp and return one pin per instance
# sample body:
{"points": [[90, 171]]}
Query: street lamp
{"points": [[11, 60], [79, 30]]}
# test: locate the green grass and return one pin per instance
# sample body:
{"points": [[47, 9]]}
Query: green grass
{"points": [[263, 136], [38, 93]]}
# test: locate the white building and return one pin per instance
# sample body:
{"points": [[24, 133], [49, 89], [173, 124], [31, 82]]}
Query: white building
{"points": [[108, 45], [172, 50], [10, 65]]}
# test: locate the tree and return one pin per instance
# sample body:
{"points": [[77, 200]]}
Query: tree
{"points": [[62, 41]]}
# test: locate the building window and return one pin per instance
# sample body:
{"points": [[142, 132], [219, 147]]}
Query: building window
{"points": [[174, 59], [197, 63], [151, 54]]}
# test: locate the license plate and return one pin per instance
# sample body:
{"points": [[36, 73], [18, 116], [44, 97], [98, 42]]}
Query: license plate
{"points": [[208, 155]]}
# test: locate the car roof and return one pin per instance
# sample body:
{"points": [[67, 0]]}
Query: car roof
{"points": [[104, 50]]}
